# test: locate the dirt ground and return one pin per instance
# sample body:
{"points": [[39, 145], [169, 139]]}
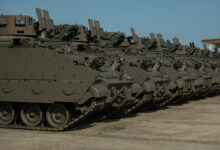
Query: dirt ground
{"points": [[191, 126]]}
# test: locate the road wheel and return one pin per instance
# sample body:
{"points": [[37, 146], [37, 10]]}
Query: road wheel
{"points": [[7, 113], [31, 115], [57, 115]]}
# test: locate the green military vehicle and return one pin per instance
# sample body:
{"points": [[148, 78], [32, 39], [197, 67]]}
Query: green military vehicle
{"points": [[55, 76], [155, 88], [43, 88]]}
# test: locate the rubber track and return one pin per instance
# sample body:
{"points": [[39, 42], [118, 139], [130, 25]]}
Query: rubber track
{"points": [[133, 108]]}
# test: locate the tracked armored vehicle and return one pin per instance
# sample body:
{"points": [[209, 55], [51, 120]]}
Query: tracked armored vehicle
{"points": [[45, 88], [205, 67], [156, 89], [55, 76], [74, 40], [157, 50]]}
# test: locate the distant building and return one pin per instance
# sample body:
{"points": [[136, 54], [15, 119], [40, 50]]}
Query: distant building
{"points": [[212, 43]]}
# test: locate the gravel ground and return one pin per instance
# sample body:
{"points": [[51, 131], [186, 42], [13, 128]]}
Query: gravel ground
{"points": [[194, 125]]}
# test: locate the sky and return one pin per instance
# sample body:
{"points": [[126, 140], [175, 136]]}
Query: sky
{"points": [[189, 20]]}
